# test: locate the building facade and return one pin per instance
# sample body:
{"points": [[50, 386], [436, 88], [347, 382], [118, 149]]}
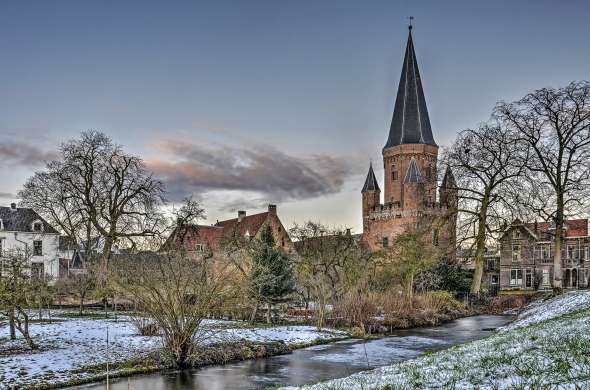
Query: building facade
{"points": [[23, 230], [410, 186], [527, 251], [204, 238]]}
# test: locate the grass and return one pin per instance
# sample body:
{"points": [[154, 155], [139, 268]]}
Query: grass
{"points": [[553, 354]]}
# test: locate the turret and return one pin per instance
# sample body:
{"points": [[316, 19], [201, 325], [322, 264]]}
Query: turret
{"points": [[448, 193], [413, 187], [371, 194]]}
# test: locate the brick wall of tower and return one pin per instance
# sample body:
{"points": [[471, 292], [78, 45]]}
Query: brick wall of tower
{"points": [[398, 158], [371, 199]]}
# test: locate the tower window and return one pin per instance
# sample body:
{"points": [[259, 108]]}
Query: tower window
{"points": [[393, 172]]}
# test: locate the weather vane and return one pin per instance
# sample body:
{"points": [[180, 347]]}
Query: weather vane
{"points": [[411, 18]]}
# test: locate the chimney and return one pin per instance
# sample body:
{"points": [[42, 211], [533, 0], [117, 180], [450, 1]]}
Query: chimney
{"points": [[13, 206], [348, 231], [272, 209], [241, 215]]}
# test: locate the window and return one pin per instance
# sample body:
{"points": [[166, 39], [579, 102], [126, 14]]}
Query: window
{"points": [[571, 252], [435, 237], [1, 224], [516, 277], [385, 242], [515, 252], [516, 234], [585, 253], [545, 252], [199, 247], [37, 248], [37, 270], [37, 226], [393, 172], [493, 279], [528, 278], [428, 172]]}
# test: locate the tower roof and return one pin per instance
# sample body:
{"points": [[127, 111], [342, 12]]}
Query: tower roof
{"points": [[371, 181], [413, 174], [449, 179], [410, 123]]}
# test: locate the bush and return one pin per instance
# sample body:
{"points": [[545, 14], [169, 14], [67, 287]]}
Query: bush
{"points": [[356, 309]]}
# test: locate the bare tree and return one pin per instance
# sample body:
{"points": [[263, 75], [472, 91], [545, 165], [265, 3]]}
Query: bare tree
{"points": [[176, 292], [488, 162], [329, 261], [16, 292], [413, 251], [556, 125], [97, 187]]}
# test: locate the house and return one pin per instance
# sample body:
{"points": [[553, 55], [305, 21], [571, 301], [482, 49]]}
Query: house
{"points": [[203, 238], [490, 279], [527, 251], [410, 162], [24, 230]]}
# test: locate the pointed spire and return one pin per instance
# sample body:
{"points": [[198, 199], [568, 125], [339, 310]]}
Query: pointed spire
{"points": [[413, 174], [449, 179], [410, 123], [371, 181]]}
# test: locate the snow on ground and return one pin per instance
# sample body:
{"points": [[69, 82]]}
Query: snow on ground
{"points": [[548, 347], [71, 344], [543, 310]]}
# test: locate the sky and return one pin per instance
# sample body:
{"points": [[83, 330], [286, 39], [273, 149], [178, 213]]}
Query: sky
{"points": [[245, 103]]}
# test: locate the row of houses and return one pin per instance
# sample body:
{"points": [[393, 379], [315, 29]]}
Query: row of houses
{"points": [[523, 261]]}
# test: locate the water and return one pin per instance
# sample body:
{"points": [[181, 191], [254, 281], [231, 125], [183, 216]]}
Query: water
{"points": [[314, 364]]}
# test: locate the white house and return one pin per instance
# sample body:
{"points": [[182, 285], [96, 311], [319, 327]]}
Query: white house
{"points": [[23, 229]]}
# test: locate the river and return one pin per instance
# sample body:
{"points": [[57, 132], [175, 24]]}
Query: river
{"points": [[317, 363]]}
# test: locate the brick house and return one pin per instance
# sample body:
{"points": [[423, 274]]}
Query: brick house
{"points": [[202, 238], [490, 280], [410, 164], [527, 252]]}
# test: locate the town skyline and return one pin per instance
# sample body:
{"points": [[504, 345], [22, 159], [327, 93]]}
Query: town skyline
{"points": [[340, 85]]}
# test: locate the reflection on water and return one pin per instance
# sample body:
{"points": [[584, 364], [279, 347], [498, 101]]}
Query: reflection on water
{"points": [[316, 363]]}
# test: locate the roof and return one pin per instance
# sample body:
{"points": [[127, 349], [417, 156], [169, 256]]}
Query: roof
{"points": [[371, 181], [449, 179], [21, 220], [410, 123], [573, 227], [413, 174], [214, 235]]}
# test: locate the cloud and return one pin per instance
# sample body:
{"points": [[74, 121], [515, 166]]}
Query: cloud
{"points": [[7, 195], [23, 154], [271, 173]]}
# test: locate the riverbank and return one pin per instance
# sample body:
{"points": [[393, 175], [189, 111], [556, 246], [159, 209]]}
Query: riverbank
{"points": [[548, 346], [74, 350]]}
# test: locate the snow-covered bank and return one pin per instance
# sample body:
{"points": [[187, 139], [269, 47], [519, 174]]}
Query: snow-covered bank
{"points": [[71, 344], [547, 347]]}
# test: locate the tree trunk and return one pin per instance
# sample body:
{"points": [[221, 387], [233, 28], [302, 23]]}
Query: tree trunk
{"points": [[557, 272], [254, 312], [81, 304], [480, 246], [269, 313], [11, 324], [106, 255]]}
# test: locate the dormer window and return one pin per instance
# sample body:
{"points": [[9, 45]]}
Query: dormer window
{"points": [[37, 226], [516, 234]]}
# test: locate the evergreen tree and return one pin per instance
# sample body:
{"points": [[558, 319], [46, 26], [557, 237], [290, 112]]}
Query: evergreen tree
{"points": [[271, 276]]}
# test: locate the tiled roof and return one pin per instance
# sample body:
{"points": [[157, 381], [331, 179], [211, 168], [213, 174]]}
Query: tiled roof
{"points": [[21, 220], [574, 227], [410, 123], [214, 235]]}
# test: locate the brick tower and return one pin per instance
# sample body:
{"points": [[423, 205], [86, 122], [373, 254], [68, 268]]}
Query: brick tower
{"points": [[410, 166]]}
